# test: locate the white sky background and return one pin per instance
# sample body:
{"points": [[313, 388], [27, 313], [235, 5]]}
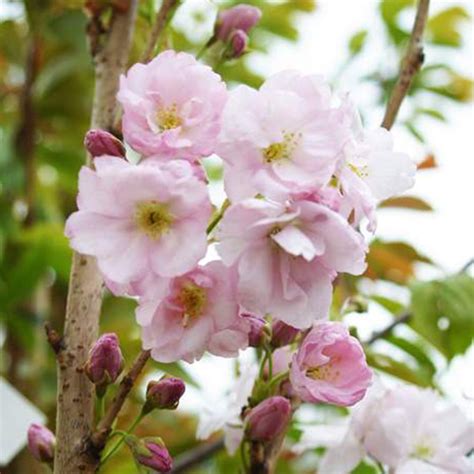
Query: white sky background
{"points": [[446, 235]]}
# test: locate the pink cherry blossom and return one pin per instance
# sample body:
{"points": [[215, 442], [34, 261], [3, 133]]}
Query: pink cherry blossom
{"points": [[410, 430], [369, 170], [172, 106], [137, 219], [199, 313], [330, 366], [287, 255], [287, 134]]}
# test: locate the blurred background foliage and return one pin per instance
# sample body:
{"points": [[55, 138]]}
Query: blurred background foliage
{"points": [[46, 85]]}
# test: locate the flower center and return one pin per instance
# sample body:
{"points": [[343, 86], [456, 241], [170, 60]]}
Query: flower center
{"points": [[153, 218], [323, 372], [281, 150], [193, 299], [168, 118], [423, 451]]}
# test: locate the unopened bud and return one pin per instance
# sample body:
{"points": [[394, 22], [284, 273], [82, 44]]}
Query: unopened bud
{"points": [[268, 419], [283, 334], [41, 443], [257, 331], [151, 453], [105, 361], [237, 44], [241, 17], [164, 394], [100, 142]]}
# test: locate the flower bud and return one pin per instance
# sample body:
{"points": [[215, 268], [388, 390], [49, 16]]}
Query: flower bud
{"points": [[237, 44], [268, 419], [99, 142], [164, 394], [257, 331], [241, 17], [41, 442], [151, 453], [105, 360], [283, 334]]}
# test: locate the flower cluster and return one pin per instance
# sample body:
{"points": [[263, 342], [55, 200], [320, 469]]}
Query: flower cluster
{"points": [[301, 175]]}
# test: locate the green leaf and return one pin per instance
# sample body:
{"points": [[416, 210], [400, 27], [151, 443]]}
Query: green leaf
{"points": [[390, 11], [398, 369], [443, 313], [415, 132], [390, 305], [436, 114], [357, 41], [444, 27]]}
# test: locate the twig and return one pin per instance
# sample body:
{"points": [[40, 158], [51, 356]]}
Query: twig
{"points": [[75, 400], [55, 340], [99, 437], [162, 17], [411, 64], [403, 318], [196, 455]]}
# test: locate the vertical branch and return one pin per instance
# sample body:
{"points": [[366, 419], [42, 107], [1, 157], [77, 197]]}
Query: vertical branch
{"points": [[75, 400], [411, 64]]}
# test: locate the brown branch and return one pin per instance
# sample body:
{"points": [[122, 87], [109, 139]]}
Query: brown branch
{"points": [[161, 20], [411, 64], [196, 455], [102, 431], [75, 400]]}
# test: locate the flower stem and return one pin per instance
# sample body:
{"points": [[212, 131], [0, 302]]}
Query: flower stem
{"points": [[124, 434], [218, 217]]}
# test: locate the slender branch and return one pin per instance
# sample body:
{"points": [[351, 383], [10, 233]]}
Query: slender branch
{"points": [[161, 20], [99, 437], [75, 400], [411, 64], [403, 318], [196, 455]]}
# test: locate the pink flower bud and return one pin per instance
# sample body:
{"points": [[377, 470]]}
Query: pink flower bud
{"points": [[268, 419], [99, 142], [164, 394], [283, 334], [237, 44], [41, 443], [241, 17], [105, 360], [256, 329], [151, 453]]}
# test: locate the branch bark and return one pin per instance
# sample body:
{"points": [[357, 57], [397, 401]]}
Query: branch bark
{"points": [[411, 64], [196, 455], [75, 400], [403, 318], [162, 17], [102, 431]]}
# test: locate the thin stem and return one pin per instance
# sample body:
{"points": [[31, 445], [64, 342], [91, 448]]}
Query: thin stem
{"points": [[218, 217], [196, 455], [163, 17], [124, 434], [278, 379], [99, 437], [411, 64], [243, 456]]}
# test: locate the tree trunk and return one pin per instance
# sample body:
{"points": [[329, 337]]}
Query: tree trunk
{"points": [[75, 400]]}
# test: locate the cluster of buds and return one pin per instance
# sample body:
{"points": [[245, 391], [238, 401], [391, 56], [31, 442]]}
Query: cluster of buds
{"points": [[278, 334], [233, 26], [41, 443], [105, 362]]}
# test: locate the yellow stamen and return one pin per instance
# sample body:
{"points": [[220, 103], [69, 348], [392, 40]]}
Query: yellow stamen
{"points": [[153, 218], [323, 372], [193, 299], [168, 118], [281, 150]]}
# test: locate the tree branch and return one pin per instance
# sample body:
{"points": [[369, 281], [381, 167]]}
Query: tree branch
{"points": [[411, 64], [403, 318], [99, 437], [75, 400], [196, 455], [161, 20]]}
